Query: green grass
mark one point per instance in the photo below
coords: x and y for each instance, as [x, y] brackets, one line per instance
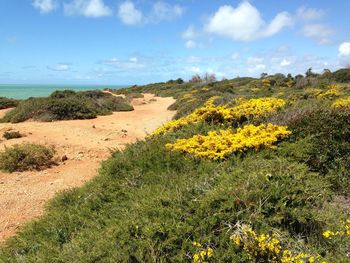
[67, 105]
[148, 204]
[23, 157]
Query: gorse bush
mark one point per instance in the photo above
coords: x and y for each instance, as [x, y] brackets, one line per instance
[220, 145]
[267, 248]
[19, 158]
[245, 110]
[67, 105]
[341, 103]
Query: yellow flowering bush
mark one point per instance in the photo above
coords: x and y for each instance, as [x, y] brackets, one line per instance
[332, 92]
[218, 145]
[342, 233]
[313, 92]
[266, 83]
[252, 108]
[267, 248]
[255, 108]
[341, 103]
[202, 255]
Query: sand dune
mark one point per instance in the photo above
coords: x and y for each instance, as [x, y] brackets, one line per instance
[85, 142]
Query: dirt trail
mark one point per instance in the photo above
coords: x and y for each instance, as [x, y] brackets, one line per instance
[85, 142]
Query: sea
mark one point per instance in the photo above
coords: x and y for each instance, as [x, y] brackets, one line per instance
[19, 91]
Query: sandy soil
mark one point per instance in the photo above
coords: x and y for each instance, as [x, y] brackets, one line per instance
[85, 142]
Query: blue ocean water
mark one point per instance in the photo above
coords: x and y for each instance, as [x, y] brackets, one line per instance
[17, 91]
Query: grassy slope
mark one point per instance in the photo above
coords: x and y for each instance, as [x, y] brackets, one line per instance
[148, 204]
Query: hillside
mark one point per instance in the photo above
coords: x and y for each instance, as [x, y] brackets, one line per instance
[249, 170]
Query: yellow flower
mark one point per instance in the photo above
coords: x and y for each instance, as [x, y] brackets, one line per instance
[218, 145]
[196, 244]
[328, 234]
[268, 247]
[210, 252]
[341, 103]
[196, 258]
[210, 113]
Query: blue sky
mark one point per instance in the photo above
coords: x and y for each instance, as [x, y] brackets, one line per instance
[141, 41]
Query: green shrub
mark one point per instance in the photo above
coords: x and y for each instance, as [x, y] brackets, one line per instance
[67, 105]
[341, 75]
[321, 140]
[7, 103]
[26, 157]
[8, 135]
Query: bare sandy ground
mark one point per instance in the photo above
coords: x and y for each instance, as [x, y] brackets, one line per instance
[85, 142]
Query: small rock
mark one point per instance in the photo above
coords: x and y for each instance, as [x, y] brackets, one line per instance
[93, 126]
[125, 131]
[64, 158]
[107, 139]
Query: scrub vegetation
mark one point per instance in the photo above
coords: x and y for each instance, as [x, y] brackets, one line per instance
[67, 105]
[233, 178]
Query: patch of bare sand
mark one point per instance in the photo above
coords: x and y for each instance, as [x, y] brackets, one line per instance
[85, 142]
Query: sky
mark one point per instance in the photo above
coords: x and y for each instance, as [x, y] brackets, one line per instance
[118, 42]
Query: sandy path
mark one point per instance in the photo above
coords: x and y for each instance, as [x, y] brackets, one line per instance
[85, 142]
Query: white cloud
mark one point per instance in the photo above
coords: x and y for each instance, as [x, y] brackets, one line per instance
[195, 70]
[285, 63]
[280, 21]
[254, 60]
[123, 64]
[189, 33]
[59, 67]
[165, 11]
[88, 8]
[128, 13]
[190, 44]
[45, 6]
[310, 13]
[244, 23]
[258, 67]
[133, 59]
[255, 64]
[344, 49]
[319, 32]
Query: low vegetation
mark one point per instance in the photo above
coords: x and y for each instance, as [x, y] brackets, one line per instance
[23, 157]
[8, 135]
[67, 105]
[234, 178]
[7, 103]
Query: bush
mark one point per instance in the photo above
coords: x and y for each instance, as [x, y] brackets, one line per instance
[321, 137]
[341, 75]
[67, 105]
[7, 103]
[8, 135]
[26, 157]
